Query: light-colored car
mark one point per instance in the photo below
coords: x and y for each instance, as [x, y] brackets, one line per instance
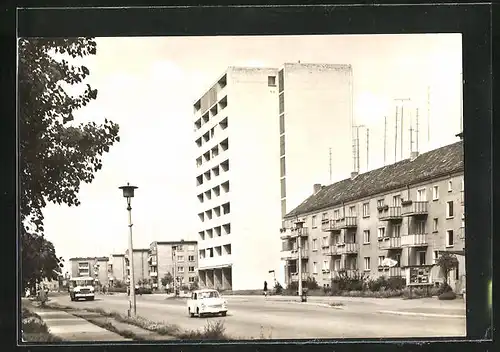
[205, 302]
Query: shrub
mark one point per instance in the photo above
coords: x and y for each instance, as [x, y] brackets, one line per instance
[377, 284]
[292, 287]
[278, 289]
[212, 331]
[346, 282]
[448, 295]
[117, 289]
[311, 283]
[444, 287]
[396, 283]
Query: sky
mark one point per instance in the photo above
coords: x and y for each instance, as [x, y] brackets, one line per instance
[148, 86]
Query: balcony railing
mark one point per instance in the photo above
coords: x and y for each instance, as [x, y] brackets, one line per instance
[415, 208]
[303, 253]
[342, 271]
[390, 243]
[414, 240]
[391, 213]
[391, 272]
[347, 222]
[334, 250]
[295, 276]
[303, 232]
[347, 248]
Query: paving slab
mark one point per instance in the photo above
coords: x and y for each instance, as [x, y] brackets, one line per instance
[71, 328]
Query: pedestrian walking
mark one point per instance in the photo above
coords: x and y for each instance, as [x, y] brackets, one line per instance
[265, 288]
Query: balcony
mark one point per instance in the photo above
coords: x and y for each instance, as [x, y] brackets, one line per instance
[414, 240]
[286, 255]
[286, 234]
[390, 243]
[296, 232]
[303, 253]
[390, 214]
[347, 248]
[348, 222]
[390, 272]
[342, 271]
[461, 233]
[153, 274]
[411, 208]
[334, 250]
[325, 249]
[295, 277]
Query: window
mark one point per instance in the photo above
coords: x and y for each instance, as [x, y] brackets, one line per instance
[315, 244]
[435, 193]
[367, 263]
[366, 236]
[381, 260]
[380, 203]
[449, 238]
[336, 214]
[191, 258]
[396, 201]
[180, 269]
[313, 221]
[421, 258]
[282, 145]
[315, 268]
[271, 81]
[326, 265]
[282, 103]
[381, 233]
[435, 257]
[325, 241]
[450, 185]
[420, 227]
[421, 195]
[282, 123]
[435, 225]
[180, 258]
[324, 216]
[449, 209]
[396, 230]
[352, 210]
[282, 167]
[366, 209]
[336, 265]
[397, 258]
[191, 247]
[191, 279]
[180, 248]
[463, 220]
[191, 269]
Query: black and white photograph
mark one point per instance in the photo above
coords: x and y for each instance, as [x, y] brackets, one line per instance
[241, 187]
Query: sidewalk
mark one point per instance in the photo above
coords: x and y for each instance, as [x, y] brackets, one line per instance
[71, 328]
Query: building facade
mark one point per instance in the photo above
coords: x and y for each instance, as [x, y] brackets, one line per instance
[240, 161]
[96, 267]
[117, 268]
[141, 272]
[177, 258]
[410, 212]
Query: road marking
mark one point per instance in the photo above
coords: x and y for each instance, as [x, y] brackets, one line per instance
[422, 314]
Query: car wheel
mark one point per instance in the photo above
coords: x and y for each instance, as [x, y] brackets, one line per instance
[198, 312]
[191, 315]
[223, 314]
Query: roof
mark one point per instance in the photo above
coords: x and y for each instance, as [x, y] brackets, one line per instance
[90, 258]
[175, 242]
[433, 164]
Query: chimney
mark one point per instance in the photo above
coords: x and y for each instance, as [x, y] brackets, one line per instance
[413, 156]
[317, 187]
[354, 174]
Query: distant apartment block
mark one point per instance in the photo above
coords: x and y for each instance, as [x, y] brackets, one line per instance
[140, 260]
[96, 267]
[411, 211]
[177, 258]
[262, 134]
[117, 268]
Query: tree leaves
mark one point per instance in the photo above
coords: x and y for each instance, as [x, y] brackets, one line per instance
[56, 157]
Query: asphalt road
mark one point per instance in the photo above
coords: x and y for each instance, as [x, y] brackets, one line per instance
[261, 318]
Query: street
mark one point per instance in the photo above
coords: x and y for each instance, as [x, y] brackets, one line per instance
[278, 318]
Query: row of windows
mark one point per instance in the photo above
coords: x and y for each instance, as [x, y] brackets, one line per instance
[216, 251]
[218, 211]
[180, 258]
[211, 113]
[212, 153]
[214, 172]
[216, 231]
[214, 192]
[209, 135]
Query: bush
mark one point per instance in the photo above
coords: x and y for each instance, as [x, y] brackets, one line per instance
[144, 290]
[444, 287]
[212, 331]
[292, 287]
[378, 284]
[448, 295]
[345, 282]
[311, 283]
[278, 289]
[117, 289]
[396, 283]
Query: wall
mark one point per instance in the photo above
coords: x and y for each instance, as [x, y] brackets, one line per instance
[119, 272]
[255, 194]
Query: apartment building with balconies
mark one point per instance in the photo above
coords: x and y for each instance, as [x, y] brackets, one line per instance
[177, 258]
[117, 268]
[96, 267]
[410, 211]
[240, 161]
[141, 272]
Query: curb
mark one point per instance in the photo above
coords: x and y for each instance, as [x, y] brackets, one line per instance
[314, 304]
[422, 314]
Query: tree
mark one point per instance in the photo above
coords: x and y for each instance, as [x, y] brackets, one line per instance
[56, 154]
[39, 260]
[447, 262]
[167, 279]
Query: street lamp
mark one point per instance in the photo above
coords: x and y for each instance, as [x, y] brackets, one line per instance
[299, 225]
[128, 192]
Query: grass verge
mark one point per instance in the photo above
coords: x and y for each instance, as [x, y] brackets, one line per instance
[211, 331]
[34, 329]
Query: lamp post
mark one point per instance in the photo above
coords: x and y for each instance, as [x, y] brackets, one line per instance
[299, 224]
[128, 192]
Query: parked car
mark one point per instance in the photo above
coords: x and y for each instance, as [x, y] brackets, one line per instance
[206, 302]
